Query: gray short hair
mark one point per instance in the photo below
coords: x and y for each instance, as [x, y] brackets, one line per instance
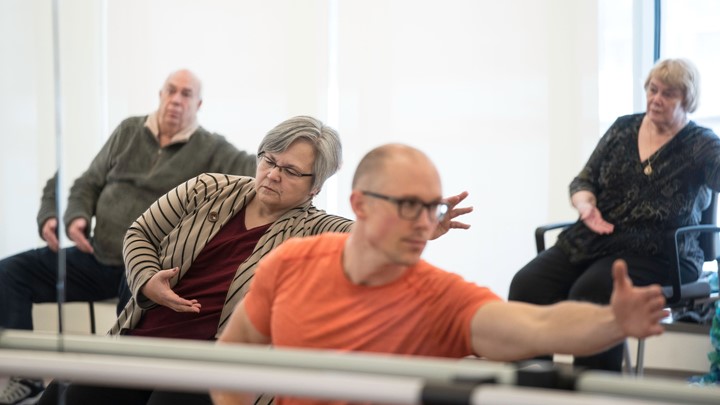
[325, 140]
[681, 74]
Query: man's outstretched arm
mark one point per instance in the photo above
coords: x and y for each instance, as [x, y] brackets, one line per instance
[510, 331]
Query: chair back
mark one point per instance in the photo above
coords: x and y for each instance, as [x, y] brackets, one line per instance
[677, 291]
[710, 241]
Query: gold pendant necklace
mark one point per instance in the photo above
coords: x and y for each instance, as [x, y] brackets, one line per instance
[648, 169]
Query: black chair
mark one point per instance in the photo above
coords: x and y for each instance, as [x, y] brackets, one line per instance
[679, 295]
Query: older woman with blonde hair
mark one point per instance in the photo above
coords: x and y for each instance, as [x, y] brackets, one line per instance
[650, 173]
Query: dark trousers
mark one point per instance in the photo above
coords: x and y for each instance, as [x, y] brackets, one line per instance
[550, 278]
[31, 277]
[76, 394]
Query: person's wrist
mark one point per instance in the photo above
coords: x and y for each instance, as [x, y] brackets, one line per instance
[583, 208]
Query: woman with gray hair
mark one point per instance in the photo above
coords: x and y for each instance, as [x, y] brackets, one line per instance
[650, 173]
[192, 225]
[191, 256]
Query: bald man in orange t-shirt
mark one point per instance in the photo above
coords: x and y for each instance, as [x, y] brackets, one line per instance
[371, 291]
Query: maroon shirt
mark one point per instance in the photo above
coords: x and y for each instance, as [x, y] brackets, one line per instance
[207, 281]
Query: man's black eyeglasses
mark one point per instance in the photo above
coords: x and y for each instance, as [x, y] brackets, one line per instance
[271, 164]
[411, 208]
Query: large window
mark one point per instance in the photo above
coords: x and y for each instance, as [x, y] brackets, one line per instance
[615, 61]
[690, 29]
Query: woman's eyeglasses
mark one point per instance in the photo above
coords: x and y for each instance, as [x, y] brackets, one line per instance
[269, 163]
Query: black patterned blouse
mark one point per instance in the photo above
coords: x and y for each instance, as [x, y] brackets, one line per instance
[645, 208]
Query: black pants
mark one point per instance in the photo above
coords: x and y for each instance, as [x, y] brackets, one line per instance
[76, 394]
[550, 278]
[31, 277]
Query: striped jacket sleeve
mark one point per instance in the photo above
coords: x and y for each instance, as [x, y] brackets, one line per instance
[142, 245]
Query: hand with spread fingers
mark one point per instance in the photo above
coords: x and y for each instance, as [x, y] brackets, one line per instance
[447, 222]
[593, 219]
[159, 291]
[637, 310]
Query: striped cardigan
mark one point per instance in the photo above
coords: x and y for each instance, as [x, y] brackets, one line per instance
[176, 228]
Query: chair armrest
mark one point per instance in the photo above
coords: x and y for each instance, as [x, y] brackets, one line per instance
[541, 230]
[676, 281]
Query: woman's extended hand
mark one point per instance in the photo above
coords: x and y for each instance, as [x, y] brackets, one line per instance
[158, 290]
[592, 217]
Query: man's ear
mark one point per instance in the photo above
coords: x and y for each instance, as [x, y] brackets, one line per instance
[358, 203]
[199, 104]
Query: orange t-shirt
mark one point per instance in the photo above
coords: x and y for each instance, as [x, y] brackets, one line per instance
[300, 297]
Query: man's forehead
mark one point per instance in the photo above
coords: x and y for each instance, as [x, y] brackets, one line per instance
[180, 80]
[411, 188]
[180, 84]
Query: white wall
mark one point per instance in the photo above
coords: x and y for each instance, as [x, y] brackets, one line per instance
[26, 118]
[29, 153]
[502, 95]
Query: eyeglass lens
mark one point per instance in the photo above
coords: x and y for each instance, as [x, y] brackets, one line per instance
[411, 209]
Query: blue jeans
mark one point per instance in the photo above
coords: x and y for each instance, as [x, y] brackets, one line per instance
[31, 277]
